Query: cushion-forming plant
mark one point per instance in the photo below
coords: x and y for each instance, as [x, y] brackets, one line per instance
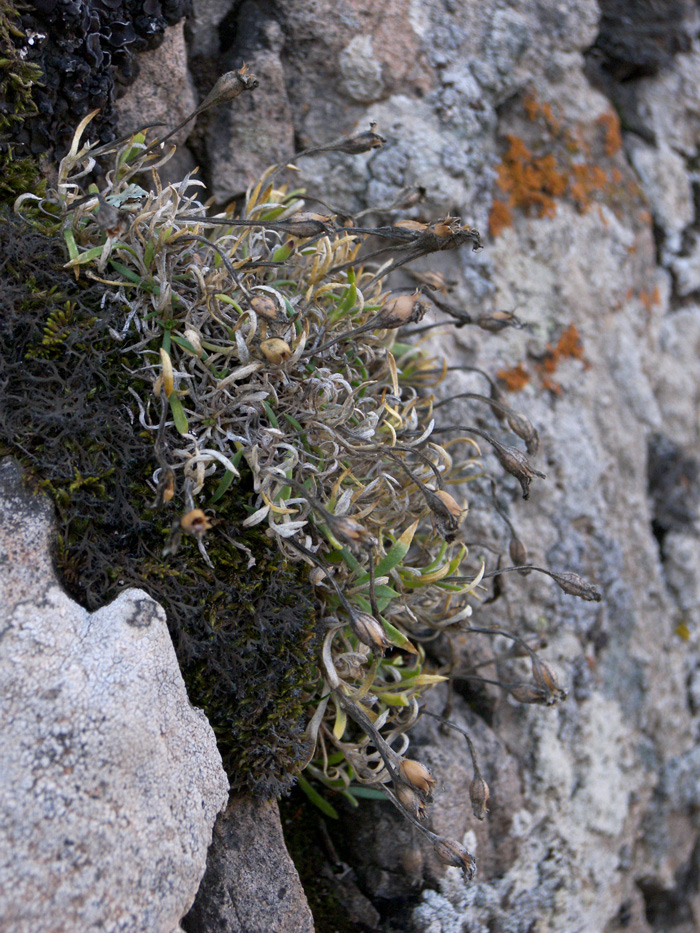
[273, 368]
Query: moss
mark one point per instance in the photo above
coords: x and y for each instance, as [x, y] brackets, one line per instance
[17, 76]
[245, 637]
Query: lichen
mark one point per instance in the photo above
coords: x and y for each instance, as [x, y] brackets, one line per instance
[576, 163]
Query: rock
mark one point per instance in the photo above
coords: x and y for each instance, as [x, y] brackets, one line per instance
[251, 885]
[667, 185]
[110, 781]
[256, 130]
[162, 93]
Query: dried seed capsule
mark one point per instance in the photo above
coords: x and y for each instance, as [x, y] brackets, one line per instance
[406, 309]
[516, 463]
[544, 676]
[195, 522]
[362, 142]
[410, 800]
[350, 532]
[530, 693]
[266, 307]
[479, 796]
[276, 350]
[575, 585]
[451, 853]
[417, 775]
[450, 503]
[168, 489]
[306, 224]
[228, 87]
[518, 554]
[520, 425]
[369, 631]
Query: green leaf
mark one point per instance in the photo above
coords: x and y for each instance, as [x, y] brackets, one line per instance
[394, 556]
[83, 258]
[71, 244]
[348, 300]
[126, 272]
[369, 793]
[186, 345]
[393, 699]
[282, 253]
[317, 799]
[179, 415]
[271, 416]
[225, 482]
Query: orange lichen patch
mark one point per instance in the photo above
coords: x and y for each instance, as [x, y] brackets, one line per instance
[532, 107]
[568, 346]
[612, 137]
[500, 217]
[531, 183]
[585, 182]
[535, 108]
[551, 386]
[515, 379]
[650, 299]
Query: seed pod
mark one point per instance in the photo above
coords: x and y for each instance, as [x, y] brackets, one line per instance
[446, 512]
[530, 693]
[451, 853]
[195, 522]
[497, 321]
[266, 307]
[306, 224]
[168, 485]
[276, 350]
[575, 585]
[228, 87]
[410, 799]
[516, 463]
[406, 309]
[450, 503]
[479, 796]
[521, 426]
[518, 554]
[362, 142]
[411, 225]
[544, 676]
[350, 532]
[369, 631]
[317, 575]
[417, 775]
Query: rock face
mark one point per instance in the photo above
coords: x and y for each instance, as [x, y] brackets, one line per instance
[509, 115]
[110, 781]
[251, 885]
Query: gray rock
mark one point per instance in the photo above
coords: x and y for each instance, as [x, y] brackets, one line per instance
[110, 781]
[255, 130]
[251, 885]
[162, 93]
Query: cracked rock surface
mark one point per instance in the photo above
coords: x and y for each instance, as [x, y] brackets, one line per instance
[110, 781]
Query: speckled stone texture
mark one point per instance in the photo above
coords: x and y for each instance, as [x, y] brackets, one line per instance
[594, 808]
[110, 781]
